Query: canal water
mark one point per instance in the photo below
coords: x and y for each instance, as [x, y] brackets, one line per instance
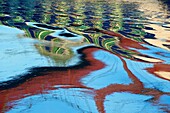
[84, 56]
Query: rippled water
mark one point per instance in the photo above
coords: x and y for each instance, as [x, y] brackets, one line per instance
[88, 56]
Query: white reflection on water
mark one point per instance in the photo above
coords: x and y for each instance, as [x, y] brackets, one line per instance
[152, 50]
[17, 55]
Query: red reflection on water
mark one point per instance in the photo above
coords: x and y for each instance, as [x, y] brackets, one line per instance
[40, 84]
[162, 69]
[71, 79]
[124, 41]
[137, 87]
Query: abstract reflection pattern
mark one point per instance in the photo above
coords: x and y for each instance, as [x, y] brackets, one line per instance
[106, 58]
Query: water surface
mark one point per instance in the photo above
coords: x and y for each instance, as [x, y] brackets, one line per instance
[89, 56]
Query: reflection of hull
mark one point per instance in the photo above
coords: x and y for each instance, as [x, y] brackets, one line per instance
[69, 78]
[37, 85]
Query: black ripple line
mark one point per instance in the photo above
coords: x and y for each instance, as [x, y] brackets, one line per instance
[40, 71]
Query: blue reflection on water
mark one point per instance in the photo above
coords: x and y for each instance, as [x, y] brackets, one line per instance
[112, 73]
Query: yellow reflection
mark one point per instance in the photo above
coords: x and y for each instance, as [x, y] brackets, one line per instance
[162, 35]
[163, 74]
[147, 59]
[57, 52]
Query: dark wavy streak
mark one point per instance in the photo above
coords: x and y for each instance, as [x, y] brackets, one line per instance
[35, 82]
[38, 71]
[125, 43]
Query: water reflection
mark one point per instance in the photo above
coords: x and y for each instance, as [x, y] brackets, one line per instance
[107, 56]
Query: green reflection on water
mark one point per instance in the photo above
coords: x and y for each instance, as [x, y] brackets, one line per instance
[77, 16]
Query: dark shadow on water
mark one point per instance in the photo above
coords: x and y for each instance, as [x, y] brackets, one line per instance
[40, 71]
